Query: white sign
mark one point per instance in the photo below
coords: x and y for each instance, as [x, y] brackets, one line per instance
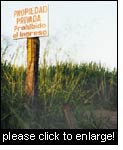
[31, 22]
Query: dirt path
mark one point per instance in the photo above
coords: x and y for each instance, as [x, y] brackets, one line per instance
[97, 118]
[110, 117]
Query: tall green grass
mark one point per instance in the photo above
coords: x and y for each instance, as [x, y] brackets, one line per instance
[86, 86]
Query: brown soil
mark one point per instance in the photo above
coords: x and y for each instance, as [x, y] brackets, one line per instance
[101, 118]
[110, 118]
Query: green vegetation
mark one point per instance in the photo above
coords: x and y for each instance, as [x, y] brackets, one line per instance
[86, 87]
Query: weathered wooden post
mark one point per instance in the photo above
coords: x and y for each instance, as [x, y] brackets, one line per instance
[31, 23]
[69, 116]
[33, 45]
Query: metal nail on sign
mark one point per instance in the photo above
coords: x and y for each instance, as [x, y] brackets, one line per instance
[31, 22]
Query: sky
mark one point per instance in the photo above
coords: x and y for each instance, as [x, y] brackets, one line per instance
[79, 31]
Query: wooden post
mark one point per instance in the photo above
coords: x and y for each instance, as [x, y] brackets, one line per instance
[33, 45]
[69, 116]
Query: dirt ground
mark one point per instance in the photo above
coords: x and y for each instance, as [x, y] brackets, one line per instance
[109, 116]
